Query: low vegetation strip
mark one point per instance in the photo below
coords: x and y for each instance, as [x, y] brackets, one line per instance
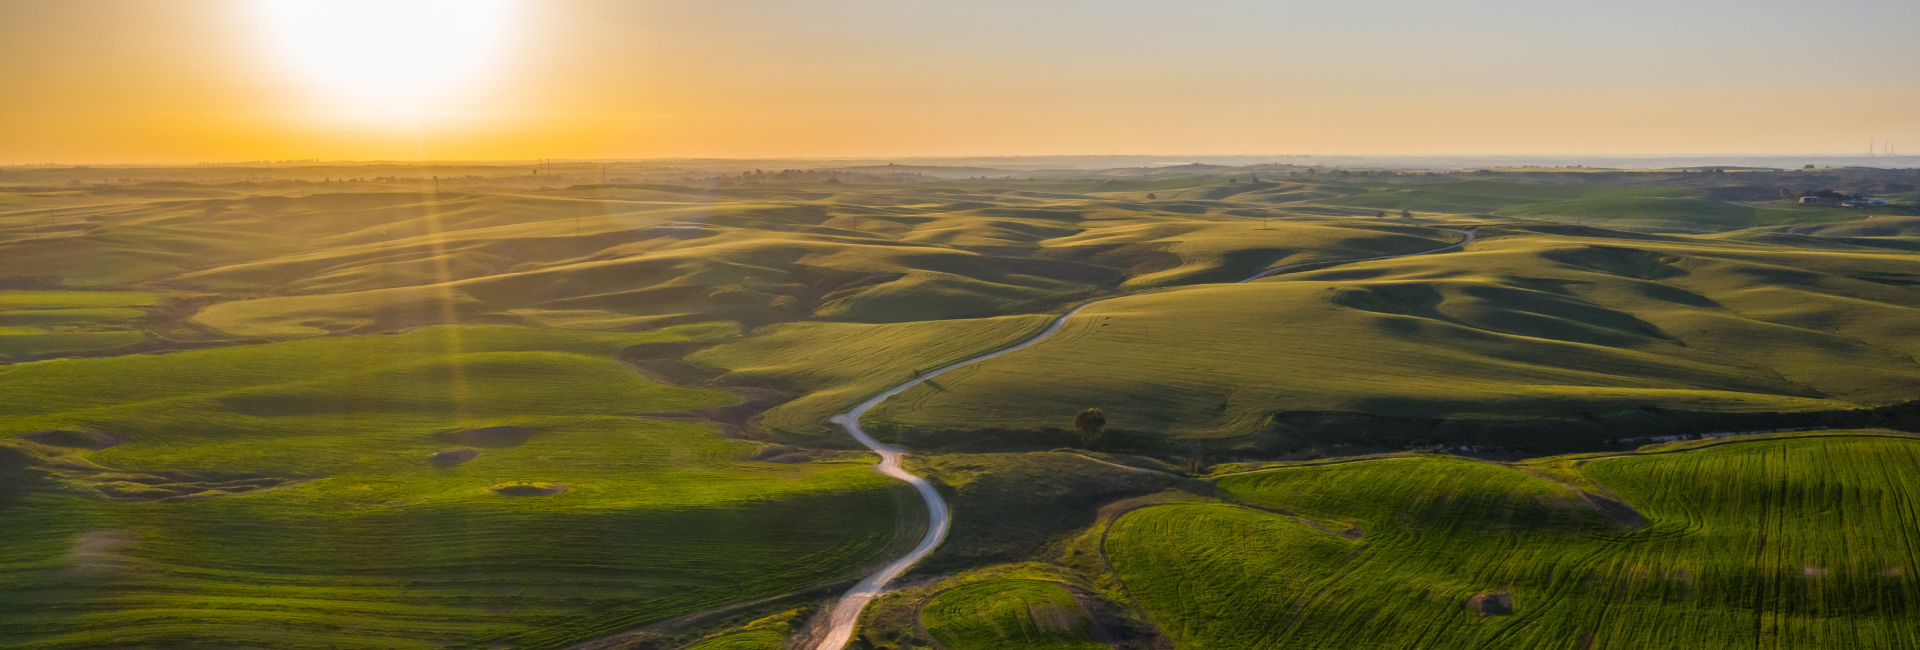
[1790, 543]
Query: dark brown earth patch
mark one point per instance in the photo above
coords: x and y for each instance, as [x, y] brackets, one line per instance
[1492, 603]
[452, 457]
[529, 489]
[493, 437]
[94, 440]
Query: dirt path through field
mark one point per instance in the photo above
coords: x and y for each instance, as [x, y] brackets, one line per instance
[845, 614]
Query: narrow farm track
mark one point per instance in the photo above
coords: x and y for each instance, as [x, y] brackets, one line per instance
[845, 614]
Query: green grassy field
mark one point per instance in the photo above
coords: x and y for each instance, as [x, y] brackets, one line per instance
[1523, 325]
[1008, 614]
[371, 416]
[286, 495]
[835, 366]
[38, 323]
[769, 633]
[1789, 543]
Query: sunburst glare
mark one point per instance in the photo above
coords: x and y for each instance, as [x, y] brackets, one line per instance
[393, 51]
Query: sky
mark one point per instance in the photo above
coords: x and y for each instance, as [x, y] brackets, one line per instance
[180, 81]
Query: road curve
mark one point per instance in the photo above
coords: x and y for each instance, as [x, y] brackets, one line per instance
[845, 614]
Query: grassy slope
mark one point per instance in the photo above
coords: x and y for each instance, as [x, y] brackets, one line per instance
[1528, 325]
[1792, 543]
[375, 546]
[1014, 507]
[1682, 208]
[40, 322]
[1007, 614]
[835, 366]
[1699, 214]
[767, 633]
[1489, 196]
[636, 258]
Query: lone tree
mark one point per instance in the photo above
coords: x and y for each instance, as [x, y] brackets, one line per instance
[1406, 214]
[1152, 197]
[1088, 424]
[1379, 214]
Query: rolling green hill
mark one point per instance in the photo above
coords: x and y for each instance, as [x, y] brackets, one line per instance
[385, 492]
[1008, 614]
[1795, 543]
[40, 323]
[364, 415]
[1574, 330]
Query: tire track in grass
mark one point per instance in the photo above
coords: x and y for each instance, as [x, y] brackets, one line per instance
[845, 614]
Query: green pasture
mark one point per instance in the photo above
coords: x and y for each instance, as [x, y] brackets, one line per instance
[834, 366]
[770, 633]
[1010, 507]
[40, 323]
[1518, 326]
[1687, 213]
[352, 482]
[1008, 615]
[1478, 196]
[286, 495]
[1788, 543]
[18, 301]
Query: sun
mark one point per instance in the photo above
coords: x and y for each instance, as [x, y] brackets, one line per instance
[388, 49]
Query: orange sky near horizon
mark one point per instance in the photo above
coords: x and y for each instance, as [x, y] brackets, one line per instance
[171, 81]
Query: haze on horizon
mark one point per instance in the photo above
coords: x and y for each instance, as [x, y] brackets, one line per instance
[170, 81]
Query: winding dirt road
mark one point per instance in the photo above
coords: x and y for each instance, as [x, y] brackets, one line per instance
[846, 612]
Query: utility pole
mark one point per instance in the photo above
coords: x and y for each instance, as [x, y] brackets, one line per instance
[603, 175]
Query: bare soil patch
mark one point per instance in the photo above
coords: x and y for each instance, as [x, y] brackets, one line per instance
[452, 457]
[529, 489]
[495, 437]
[94, 440]
[1492, 603]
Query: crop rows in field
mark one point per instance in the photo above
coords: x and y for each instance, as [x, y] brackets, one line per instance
[1774, 544]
